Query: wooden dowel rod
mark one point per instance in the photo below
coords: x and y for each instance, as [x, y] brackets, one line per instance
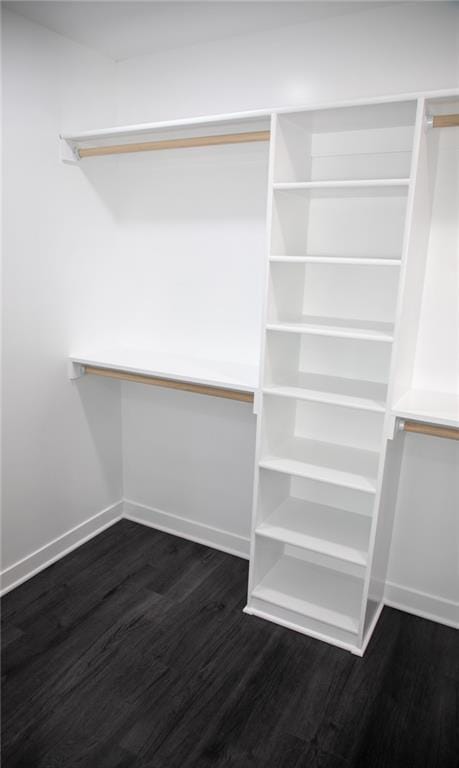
[431, 429]
[196, 141]
[445, 121]
[187, 386]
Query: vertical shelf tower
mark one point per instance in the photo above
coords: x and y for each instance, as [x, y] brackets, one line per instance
[340, 202]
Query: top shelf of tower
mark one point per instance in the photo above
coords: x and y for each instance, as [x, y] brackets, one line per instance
[367, 143]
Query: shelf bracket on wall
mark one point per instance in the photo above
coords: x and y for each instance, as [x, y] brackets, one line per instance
[75, 370]
[68, 151]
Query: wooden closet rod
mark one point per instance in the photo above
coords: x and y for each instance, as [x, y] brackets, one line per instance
[445, 121]
[434, 430]
[194, 141]
[187, 386]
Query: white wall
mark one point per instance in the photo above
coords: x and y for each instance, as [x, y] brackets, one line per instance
[61, 441]
[380, 51]
[387, 50]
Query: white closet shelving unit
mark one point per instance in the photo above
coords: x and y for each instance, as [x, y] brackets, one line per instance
[349, 205]
[342, 185]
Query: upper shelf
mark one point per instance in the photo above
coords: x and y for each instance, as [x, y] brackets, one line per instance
[193, 374]
[432, 407]
[176, 134]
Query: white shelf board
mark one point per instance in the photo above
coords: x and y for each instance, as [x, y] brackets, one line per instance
[349, 393]
[325, 462]
[432, 407]
[334, 532]
[212, 373]
[327, 326]
[380, 261]
[141, 129]
[319, 593]
[341, 184]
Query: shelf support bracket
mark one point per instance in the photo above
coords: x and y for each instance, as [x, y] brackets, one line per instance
[68, 152]
[75, 370]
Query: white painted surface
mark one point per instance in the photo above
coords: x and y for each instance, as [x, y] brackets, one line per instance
[189, 455]
[328, 60]
[213, 373]
[61, 442]
[125, 29]
[424, 556]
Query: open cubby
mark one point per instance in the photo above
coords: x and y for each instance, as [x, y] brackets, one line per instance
[373, 141]
[366, 222]
[305, 514]
[350, 296]
[330, 598]
[321, 441]
[350, 372]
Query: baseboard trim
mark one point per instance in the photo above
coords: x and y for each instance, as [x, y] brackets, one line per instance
[405, 599]
[225, 541]
[422, 604]
[24, 569]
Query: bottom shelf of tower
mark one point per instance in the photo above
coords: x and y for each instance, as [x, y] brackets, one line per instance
[309, 598]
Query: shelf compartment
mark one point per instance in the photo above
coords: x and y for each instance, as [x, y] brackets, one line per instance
[321, 594]
[333, 532]
[369, 141]
[321, 441]
[348, 221]
[346, 372]
[350, 296]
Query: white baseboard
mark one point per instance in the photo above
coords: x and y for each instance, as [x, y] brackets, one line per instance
[187, 529]
[405, 599]
[422, 604]
[40, 559]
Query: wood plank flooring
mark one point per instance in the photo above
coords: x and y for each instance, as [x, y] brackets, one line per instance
[133, 651]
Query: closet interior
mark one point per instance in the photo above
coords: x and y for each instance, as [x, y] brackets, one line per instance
[350, 191]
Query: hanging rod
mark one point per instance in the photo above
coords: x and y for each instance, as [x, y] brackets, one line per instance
[434, 430]
[187, 386]
[194, 141]
[444, 121]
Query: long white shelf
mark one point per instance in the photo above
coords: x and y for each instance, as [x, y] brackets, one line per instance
[325, 462]
[334, 532]
[427, 406]
[142, 129]
[377, 261]
[310, 590]
[346, 329]
[211, 373]
[341, 184]
[349, 393]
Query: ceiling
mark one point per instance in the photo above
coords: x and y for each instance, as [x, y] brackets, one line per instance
[121, 30]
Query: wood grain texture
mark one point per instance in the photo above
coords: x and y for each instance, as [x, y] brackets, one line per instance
[185, 143]
[133, 652]
[445, 121]
[186, 386]
[434, 430]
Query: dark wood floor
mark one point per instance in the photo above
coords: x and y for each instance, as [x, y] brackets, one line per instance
[134, 651]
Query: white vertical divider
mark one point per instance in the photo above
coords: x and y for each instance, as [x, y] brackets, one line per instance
[417, 222]
[259, 393]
